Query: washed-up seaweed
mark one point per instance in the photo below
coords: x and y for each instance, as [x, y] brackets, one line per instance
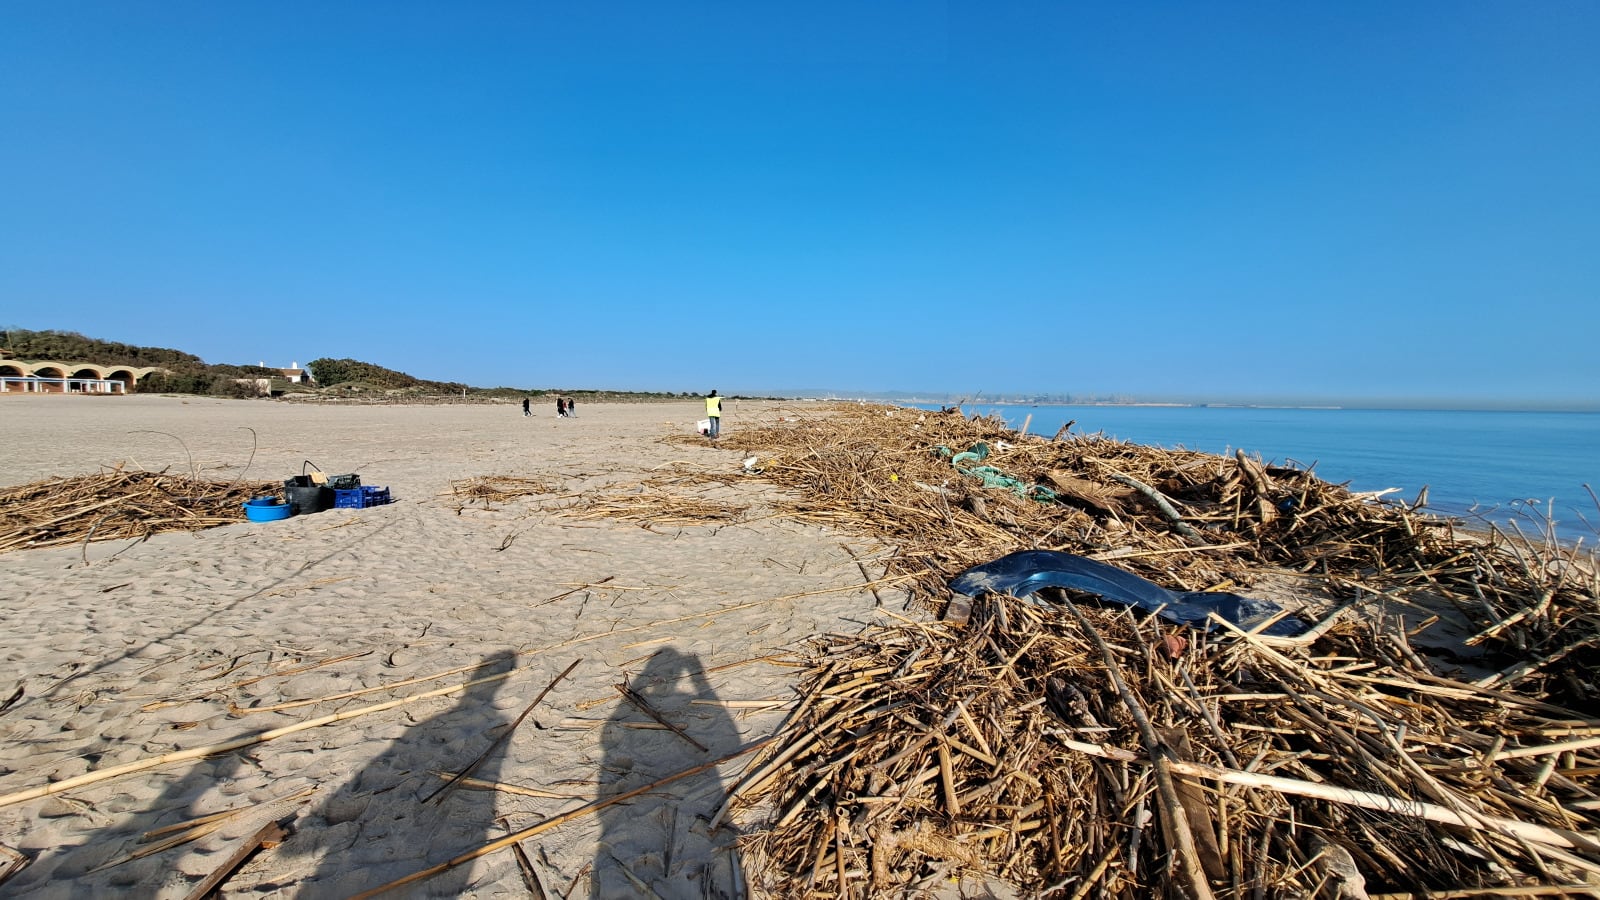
[1073, 749]
[118, 504]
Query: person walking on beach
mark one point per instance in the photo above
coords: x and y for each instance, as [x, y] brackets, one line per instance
[527, 407]
[561, 407]
[572, 408]
[714, 414]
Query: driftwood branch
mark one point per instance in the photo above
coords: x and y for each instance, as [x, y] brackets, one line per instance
[1161, 501]
[1260, 484]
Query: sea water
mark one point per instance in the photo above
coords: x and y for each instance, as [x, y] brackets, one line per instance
[1485, 464]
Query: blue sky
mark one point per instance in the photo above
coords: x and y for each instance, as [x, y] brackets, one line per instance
[1339, 201]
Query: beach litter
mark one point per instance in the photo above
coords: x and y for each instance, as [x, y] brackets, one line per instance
[266, 509]
[362, 496]
[1026, 573]
[991, 476]
[313, 491]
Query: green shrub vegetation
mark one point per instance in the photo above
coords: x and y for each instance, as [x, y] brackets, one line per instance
[332, 372]
[210, 385]
[189, 374]
[68, 346]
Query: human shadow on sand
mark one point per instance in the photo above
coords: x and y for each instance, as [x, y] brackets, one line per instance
[661, 843]
[108, 861]
[385, 822]
[376, 827]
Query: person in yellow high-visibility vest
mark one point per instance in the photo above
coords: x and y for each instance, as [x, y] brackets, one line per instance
[714, 414]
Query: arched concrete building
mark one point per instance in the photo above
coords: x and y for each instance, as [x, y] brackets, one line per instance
[51, 377]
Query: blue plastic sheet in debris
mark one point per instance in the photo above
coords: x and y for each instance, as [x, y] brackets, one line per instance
[1022, 573]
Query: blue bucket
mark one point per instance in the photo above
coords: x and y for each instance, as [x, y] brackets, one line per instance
[266, 509]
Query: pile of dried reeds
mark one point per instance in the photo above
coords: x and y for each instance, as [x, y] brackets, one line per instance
[670, 497]
[1186, 520]
[1073, 750]
[115, 504]
[653, 507]
[491, 489]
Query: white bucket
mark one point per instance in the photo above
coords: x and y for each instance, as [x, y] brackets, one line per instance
[704, 426]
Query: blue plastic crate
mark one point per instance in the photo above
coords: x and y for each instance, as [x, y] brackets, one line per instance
[361, 497]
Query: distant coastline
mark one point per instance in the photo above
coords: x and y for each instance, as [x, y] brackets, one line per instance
[915, 399]
[1161, 404]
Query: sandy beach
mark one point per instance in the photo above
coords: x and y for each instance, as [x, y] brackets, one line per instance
[430, 624]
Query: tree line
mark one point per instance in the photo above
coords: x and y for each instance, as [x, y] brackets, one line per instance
[189, 374]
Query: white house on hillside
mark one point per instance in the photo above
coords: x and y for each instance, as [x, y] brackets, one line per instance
[294, 374]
